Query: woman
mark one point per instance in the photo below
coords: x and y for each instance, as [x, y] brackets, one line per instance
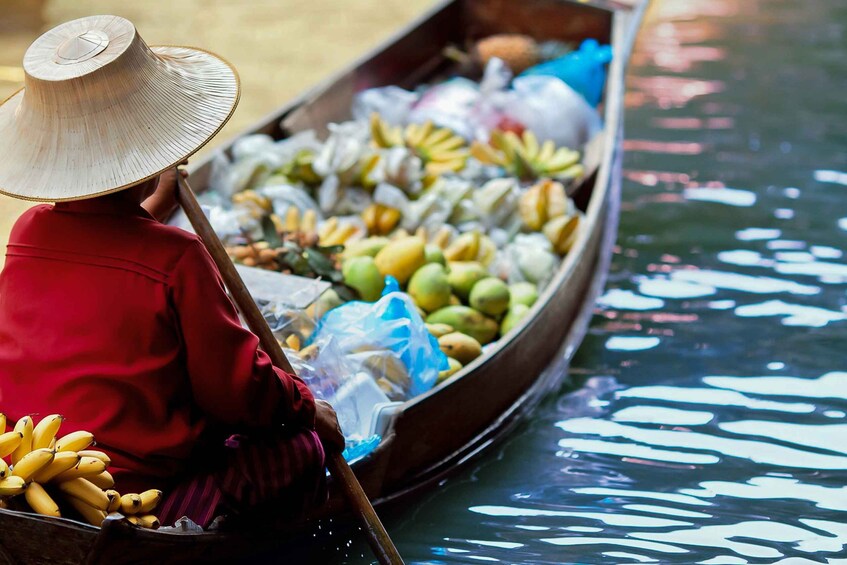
[122, 323]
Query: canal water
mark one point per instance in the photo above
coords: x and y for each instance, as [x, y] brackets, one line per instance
[710, 427]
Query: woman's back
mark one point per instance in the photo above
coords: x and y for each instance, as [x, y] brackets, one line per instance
[87, 329]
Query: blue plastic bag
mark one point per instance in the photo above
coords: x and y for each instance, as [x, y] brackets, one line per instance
[387, 339]
[584, 70]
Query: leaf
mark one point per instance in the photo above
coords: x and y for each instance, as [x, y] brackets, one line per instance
[345, 292]
[269, 232]
[321, 264]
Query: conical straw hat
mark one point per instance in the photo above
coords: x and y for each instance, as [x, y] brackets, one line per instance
[101, 111]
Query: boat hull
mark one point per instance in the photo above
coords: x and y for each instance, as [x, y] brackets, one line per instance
[448, 426]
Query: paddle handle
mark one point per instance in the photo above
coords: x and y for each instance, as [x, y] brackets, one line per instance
[377, 536]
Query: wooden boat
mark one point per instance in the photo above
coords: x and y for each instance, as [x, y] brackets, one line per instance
[444, 428]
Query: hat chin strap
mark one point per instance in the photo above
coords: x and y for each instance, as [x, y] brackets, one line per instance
[82, 47]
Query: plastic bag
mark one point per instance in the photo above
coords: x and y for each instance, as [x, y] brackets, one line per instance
[584, 70]
[391, 102]
[529, 258]
[553, 110]
[388, 340]
[543, 104]
[448, 105]
[331, 376]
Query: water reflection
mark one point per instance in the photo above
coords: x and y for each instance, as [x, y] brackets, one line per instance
[711, 427]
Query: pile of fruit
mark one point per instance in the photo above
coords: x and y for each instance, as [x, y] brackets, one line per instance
[63, 476]
[472, 230]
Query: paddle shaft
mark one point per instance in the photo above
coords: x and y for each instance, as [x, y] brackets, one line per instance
[377, 536]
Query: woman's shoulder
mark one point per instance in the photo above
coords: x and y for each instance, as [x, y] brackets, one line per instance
[25, 220]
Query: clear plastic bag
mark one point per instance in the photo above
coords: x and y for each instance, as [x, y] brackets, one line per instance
[391, 102]
[388, 340]
[333, 377]
[552, 110]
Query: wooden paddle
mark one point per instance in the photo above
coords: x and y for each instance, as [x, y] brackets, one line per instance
[378, 538]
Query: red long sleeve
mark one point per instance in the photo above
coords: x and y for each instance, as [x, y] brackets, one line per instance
[122, 325]
[231, 379]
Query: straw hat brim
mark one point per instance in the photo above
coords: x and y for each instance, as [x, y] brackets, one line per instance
[189, 97]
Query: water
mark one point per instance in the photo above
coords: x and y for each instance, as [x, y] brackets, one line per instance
[711, 427]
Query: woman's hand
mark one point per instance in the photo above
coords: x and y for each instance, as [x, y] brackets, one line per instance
[162, 202]
[326, 425]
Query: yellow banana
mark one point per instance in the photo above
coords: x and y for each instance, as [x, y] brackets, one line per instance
[45, 431]
[388, 219]
[557, 199]
[87, 467]
[24, 427]
[114, 500]
[98, 454]
[487, 251]
[40, 501]
[415, 133]
[292, 219]
[436, 137]
[130, 504]
[279, 225]
[10, 486]
[561, 159]
[442, 237]
[436, 168]
[149, 500]
[2, 423]
[75, 441]
[9, 442]
[85, 491]
[562, 232]
[309, 221]
[486, 154]
[533, 207]
[327, 227]
[450, 144]
[31, 463]
[369, 216]
[530, 145]
[62, 461]
[464, 248]
[293, 342]
[384, 135]
[149, 521]
[340, 235]
[91, 515]
[4, 469]
[548, 148]
[104, 480]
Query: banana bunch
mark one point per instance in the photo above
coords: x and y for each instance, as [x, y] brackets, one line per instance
[295, 221]
[300, 168]
[333, 232]
[471, 246]
[44, 466]
[440, 149]
[542, 202]
[562, 232]
[525, 158]
[380, 219]
[441, 238]
[257, 205]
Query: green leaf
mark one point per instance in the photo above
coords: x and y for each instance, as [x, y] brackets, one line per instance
[269, 233]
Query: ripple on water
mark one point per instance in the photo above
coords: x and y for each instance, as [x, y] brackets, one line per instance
[756, 451]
